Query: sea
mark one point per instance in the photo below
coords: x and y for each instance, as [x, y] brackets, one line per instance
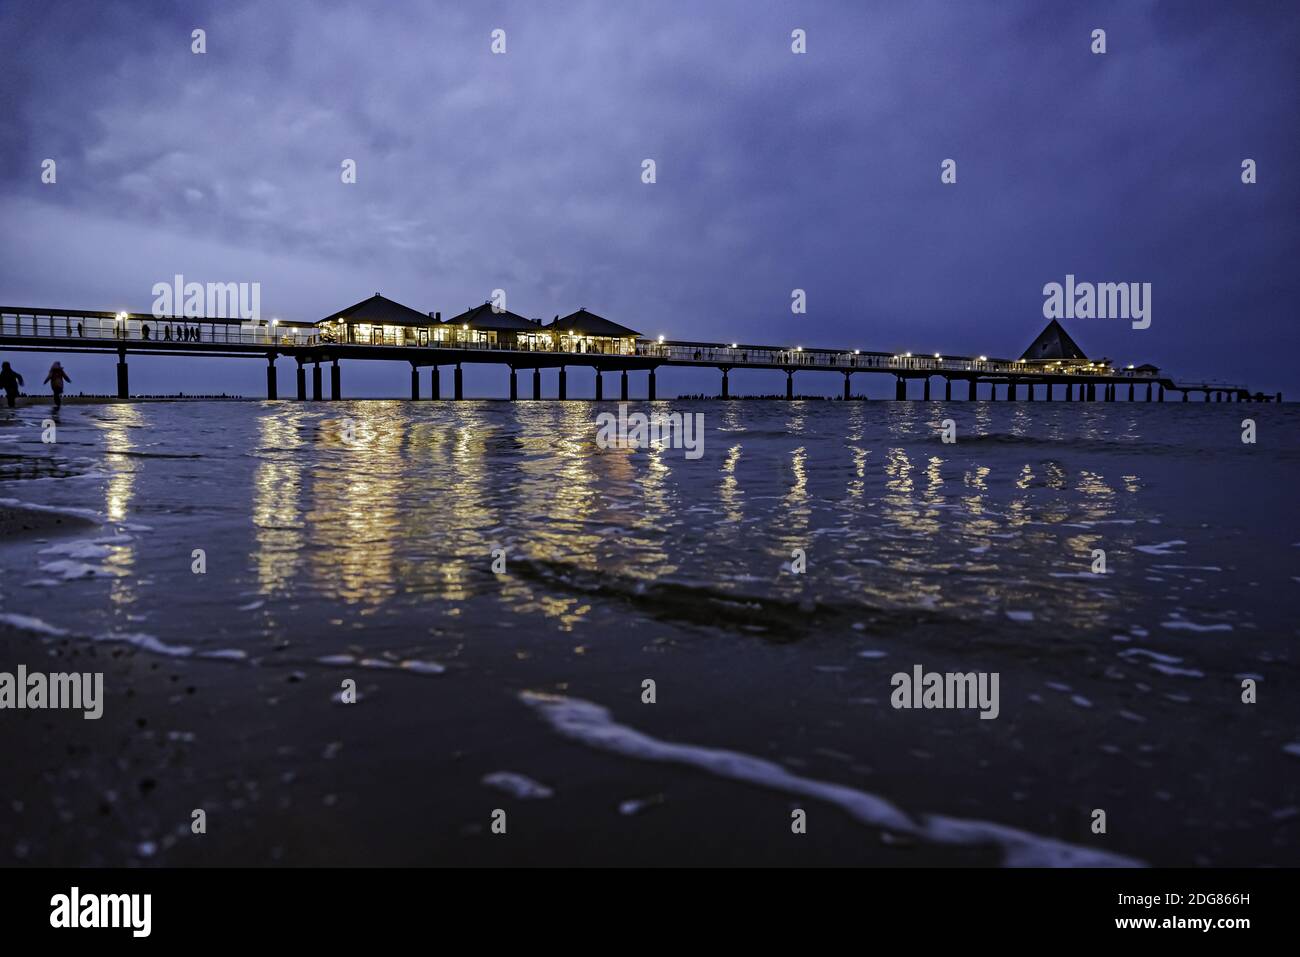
[666, 659]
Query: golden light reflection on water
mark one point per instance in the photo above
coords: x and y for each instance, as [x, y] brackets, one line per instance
[731, 493]
[277, 498]
[354, 517]
[119, 492]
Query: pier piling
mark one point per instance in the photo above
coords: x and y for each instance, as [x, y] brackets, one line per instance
[271, 392]
[726, 392]
[514, 385]
[652, 385]
[848, 390]
[435, 383]
[415, 382]
[315, 382]
[123, 382]
[564, 383]
[459, 379]
[537, 383]
[900, 389]
[600, 386]
[789, 384]
[336, 381]
[302, 381]
[622, 386]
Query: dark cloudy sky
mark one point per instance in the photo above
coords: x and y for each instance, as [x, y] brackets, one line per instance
[775, 171]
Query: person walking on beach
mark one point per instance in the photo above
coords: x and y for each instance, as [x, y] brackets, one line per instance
[56, 378]
[9, 382]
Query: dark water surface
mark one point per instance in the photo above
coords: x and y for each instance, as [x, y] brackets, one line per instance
[327, 558]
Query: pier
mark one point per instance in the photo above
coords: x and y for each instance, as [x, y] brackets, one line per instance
[1052, 369]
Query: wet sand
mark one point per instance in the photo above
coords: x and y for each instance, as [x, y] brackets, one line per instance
[16, 522]
[287, 776]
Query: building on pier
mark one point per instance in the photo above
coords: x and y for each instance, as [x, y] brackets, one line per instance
[584, 331]
[1054, 350]
[489, 328]
[378, 321]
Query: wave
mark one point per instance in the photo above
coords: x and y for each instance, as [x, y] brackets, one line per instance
[592, 725]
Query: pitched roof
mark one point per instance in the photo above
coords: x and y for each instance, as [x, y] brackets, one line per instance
[381, 311]
[1053, 343]
[591, 324]
[482, 317]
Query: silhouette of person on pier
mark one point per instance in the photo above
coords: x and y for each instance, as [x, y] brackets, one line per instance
[9, 382]
[56, 379]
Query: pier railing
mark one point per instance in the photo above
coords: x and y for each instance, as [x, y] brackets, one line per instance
[135, 327]
[854, 360]
[130, 327]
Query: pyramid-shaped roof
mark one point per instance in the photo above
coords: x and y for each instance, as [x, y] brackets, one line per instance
[381, 311]
[1053, 343]
[483, 317]
[588, 323]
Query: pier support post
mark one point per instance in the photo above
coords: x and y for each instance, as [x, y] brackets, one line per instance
[1207, 396]
[460, 383]
[537, 382]
[1131, 387]
[302, 382]
[900, 389]
[415, 382]
[1148, 391]
[1185, 396]
[600, 386]
[514, 385]
[123, 382]
[622, 386]
[1162, 393]
[652, 385]
[336, 382]
[970, 390]
[947, 389]
[1050, 383]
[1029, 390]
[315, 381]
[925, 393]
[726, 391]
[1069, 392]
[435, 383]
[564, 383]
[789, 384]
[1091, 395]
[848, 389]
[271, 392]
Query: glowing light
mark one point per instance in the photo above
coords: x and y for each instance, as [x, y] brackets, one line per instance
[661, 338]
[907, 355]
[936, 355]
[984, 358]
[733, 345]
